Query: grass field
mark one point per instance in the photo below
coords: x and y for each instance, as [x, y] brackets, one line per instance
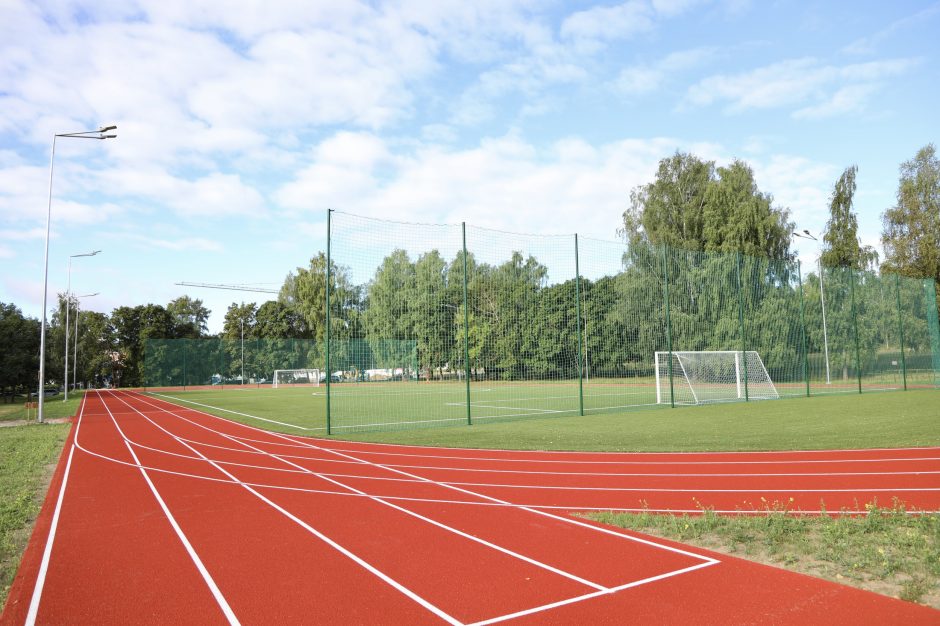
[887, 551]
[27, 455]
[835, 421]
[53, 407]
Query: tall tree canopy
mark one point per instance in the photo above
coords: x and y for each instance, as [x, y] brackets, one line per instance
[693, 205]
[911, 234]
[190, 317]
[19, 356]
[738, 217]
[670, 210]
[276, 320]
[305, 291]
[842, 247]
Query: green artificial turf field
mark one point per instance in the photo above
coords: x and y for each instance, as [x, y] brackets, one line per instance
[821, 422]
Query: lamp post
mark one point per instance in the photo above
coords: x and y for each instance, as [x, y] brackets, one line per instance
[75, 361]
[822, 299]
[101, 133]
[68, 303]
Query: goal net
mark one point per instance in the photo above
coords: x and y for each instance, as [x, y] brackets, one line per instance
[296, 377]
[712, 376]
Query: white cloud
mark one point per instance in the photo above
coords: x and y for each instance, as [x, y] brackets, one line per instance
[846, 100]
[800, 184]
[646, 78]
[671, 8]
[868, 44]
[597, 25]
[817, 89]
[22, 235]
[183, 244]
[504, 182]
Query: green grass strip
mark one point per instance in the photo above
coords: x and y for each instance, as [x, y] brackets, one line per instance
[27, 460]
[53, 408]
[888, 551]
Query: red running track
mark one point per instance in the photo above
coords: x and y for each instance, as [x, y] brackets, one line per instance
[161, 514]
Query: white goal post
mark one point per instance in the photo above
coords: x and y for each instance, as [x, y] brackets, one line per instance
[702, 376]
[309, 377]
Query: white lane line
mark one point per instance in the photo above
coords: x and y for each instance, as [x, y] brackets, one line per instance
[496, 500]
[591, 462]
[303, 470]
[358, 560]
[543, 513]
[448, 468]
[382, 501]
[622, 461]
[255, 417]
[206, 576]
[570, 507]
[535, 505]
[50, 539]
[706, 561]
[587, 596]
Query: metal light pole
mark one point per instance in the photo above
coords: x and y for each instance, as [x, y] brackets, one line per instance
[822, 300]
[242, 320]
[101, 133]
[68, 305]
[75, 361]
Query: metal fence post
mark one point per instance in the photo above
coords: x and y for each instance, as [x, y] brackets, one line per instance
[897, 292]
[672, 395]
[747, 397]
[466, 323]
[577, 297]
[799, 275]
[329, 373]
[858, 358]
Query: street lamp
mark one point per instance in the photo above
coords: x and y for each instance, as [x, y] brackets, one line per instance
[101, 133]
[75, 362]
[822, 299]
[68, 303]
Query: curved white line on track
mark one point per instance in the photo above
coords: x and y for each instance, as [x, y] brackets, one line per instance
[706, 561]
[327, 540]
[573, 452]
[382, 501]
[197, 561]
[298, 457]
[313, 445]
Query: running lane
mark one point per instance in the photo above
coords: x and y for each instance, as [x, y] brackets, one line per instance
[172, 515]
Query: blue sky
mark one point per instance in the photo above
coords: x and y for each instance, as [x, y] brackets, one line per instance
[240, 123]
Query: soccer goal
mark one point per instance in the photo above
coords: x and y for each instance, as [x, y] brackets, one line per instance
[296, 377]
[712, 376]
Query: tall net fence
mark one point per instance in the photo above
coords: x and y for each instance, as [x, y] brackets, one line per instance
[449, 324]
[217, 362]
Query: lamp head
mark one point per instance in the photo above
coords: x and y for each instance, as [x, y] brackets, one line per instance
[105, 129]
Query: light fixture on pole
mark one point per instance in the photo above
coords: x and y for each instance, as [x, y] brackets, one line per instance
[101, 133]
[822, 300]
[68, 305]
[75, 361]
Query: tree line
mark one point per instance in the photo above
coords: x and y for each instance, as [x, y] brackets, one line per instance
[521, 324]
